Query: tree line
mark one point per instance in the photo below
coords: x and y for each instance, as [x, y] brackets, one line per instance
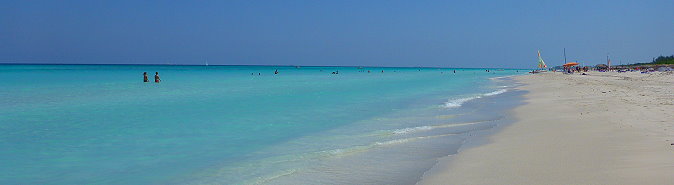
[664, 60]
[657, 60]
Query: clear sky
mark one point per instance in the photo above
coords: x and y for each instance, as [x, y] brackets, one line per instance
[360, 32]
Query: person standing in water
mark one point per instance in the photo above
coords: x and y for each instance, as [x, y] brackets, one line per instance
[276, 72]
[145, 77]
[156, 77]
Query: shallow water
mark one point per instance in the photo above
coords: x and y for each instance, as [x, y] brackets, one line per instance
[83, 124]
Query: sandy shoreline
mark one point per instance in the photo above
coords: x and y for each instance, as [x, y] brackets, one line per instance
[604, 128]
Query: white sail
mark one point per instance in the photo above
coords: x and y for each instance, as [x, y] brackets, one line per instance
[541, 63]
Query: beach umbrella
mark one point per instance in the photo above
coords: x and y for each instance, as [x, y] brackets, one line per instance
[570, 64]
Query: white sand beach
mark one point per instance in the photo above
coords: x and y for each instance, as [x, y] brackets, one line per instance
[601, 128]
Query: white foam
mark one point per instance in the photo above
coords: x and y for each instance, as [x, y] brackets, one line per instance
[501, 77]
[413, 129]
[405, 140]
[458, 102]
[336, 151]
[496, 92]
[397, 141]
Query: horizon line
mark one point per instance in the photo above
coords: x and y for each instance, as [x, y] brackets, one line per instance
[261, 65]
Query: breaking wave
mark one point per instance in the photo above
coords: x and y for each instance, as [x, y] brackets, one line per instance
[458, 102]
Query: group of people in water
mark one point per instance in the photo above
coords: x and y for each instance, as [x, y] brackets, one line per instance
[156, 77]
[275, 72]
[368, 71]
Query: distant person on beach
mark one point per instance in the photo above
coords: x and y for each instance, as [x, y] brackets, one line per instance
[145, 77]
[156, 77]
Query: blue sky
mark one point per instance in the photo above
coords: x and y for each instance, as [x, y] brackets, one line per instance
[371, 33]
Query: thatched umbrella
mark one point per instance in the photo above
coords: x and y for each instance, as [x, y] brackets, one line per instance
[601, 66]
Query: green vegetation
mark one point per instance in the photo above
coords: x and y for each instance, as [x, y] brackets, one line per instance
[659, 60]
[664, 60]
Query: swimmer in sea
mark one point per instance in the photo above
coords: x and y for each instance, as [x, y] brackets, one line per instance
[156, 77]
[276, 72]
[145, 77]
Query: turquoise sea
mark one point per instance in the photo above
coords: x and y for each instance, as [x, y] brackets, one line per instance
[100, 124]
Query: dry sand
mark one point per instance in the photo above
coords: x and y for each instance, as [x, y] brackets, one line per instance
[602, 128]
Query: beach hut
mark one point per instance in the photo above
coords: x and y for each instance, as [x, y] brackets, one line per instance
[601, 67]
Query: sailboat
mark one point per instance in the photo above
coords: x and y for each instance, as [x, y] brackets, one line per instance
[541, 64]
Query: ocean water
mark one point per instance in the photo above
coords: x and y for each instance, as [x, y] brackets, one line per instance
[100, 124]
